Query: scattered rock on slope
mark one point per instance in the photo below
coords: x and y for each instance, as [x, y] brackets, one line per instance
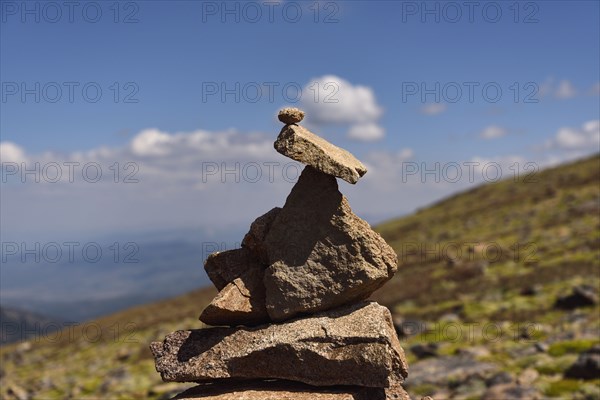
[582, 296]
[587, 365]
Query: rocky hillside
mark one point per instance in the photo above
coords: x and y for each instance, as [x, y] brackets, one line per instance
[500, 285]
[496, 297]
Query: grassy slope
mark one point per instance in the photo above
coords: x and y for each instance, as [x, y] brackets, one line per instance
[108, 358]
[528, 232]
[511, 235]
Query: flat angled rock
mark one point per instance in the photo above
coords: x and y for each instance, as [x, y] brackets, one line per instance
[241, 302]
[321, 255]
[300, 144]
[354, 345]
[287, 390]
[223, 267]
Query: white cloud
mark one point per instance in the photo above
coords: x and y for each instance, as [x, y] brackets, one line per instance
[592, 127]
[433, 108]
[158, 181]
[492, 132]
[185, 180]
[10, 152]
[331, 100]
[202, 179]
[568, 138]
[585, 138]
[366, 132]
[565, 90]
[150, 142]
[334, 100]
[595, 89]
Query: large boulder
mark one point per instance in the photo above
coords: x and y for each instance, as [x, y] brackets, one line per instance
[354, 345]
[320, 254]
[300, 144]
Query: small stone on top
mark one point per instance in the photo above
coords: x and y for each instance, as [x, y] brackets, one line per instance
[290, 115]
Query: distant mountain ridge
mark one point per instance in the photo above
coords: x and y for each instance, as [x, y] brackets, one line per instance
[17, 325]
[80, 289]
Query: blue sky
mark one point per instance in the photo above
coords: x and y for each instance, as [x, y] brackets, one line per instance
[376, 50]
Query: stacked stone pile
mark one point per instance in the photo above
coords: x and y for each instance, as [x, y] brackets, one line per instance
[291, 316]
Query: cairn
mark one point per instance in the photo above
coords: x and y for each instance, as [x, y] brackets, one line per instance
[291, 317]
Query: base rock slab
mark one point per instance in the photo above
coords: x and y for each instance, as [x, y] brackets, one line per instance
[354, 345]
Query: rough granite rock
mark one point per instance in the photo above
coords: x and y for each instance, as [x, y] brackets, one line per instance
[287, 390]
[290, 115]
[587, 365]
[354, 345]
[582, 296]
[321, 255]
[241, 302]
[223, 267]
[254, 239]
[304, 146]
